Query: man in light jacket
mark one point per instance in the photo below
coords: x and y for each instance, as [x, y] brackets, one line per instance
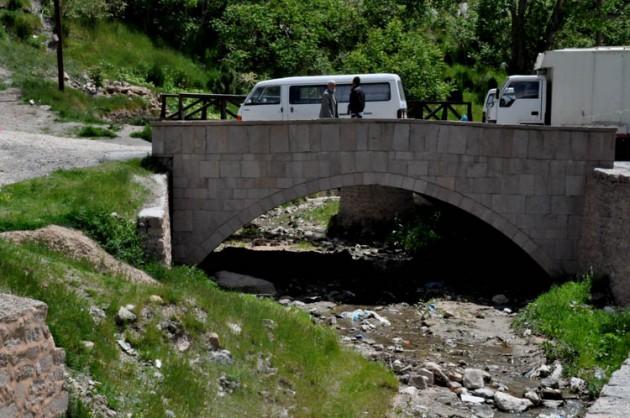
[329, 102]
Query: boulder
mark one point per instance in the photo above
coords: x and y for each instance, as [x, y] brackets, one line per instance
[509, 403]
[244, 283]
[473, 378]
[439, 376]
[125, 315]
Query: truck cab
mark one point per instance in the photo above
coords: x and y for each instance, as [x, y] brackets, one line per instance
[521, 100]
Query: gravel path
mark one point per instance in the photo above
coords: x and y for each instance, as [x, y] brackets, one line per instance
[34, 144]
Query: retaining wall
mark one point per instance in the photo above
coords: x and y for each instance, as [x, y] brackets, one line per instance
[31, 368]
[605, 242]
[154, 223]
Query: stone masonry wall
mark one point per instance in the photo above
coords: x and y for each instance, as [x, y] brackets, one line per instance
[154, 224]
[366, 211]
[31, 368]
[605, 243]
[525, 181]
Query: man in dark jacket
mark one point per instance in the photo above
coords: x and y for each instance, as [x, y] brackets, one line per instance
[357, 99]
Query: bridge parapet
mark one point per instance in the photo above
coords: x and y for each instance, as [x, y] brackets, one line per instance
[527, 182]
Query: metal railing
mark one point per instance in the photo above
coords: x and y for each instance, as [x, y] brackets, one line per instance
[422, 109]
[196, 106]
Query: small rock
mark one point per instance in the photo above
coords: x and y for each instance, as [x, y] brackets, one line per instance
[183, 343]
[428, 374]
[156, 299]
[577, 385]
[418, 381]
[270, 324]
[221, 357]
[397, 366]
[31, 102]
[552, 404]
[214, 341]
[126, 347]
[550, 393]
[532, 396]
[158, 363]
[438, 375]
[471, 399]
[87, 345]
[509, 403]
[234, 328]
[169, 413]
[125, 315]
[455, 377]
[486, 393]
[483, 411]
[473, 378]
[408, 390]
[500, 299]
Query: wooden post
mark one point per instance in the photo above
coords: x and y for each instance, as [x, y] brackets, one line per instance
[59, 32]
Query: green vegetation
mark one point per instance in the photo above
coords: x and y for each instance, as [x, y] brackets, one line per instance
[74, 104]
[146, 133]
[322, 214]
[60, 197]
[326, 379]
[583, 337]
[126, 54]
[96, 132]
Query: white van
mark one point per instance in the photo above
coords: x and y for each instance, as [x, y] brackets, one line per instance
[299, 98]
[490, 107]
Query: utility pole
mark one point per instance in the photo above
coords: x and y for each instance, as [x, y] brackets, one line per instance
[59, 33]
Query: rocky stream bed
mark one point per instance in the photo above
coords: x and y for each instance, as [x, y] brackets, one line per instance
[454, 350]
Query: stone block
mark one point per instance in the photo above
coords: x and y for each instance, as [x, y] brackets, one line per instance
[536, 146]
[299, 138]
[575, 185]
[401, 137]
[209, 169]
[252, 169]
[330, 137]
[520, 143]
[259, 139]
[378, 161]
[538, 204]
[279, 139]
[216, 139]
[230, 168]
[348, 162]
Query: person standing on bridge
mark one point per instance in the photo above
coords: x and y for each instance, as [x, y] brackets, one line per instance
[329, 102]
[357, 99]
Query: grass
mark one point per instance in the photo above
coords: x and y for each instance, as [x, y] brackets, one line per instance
[583, 337]
[146, 133]
[96, 132]
[64, 195]
[322, 214]
[76, 105]
[315, 377]
[126, 54]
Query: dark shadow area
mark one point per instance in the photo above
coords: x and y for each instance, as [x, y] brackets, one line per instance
[448, 253]
[622, 148]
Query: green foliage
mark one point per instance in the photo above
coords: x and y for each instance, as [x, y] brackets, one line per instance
[22, 5]
[115, 233]
[146, 133]
[74, 104]
[407, 53]
[418, 232]
[96, 132]
[23, 25]
[583, 337]
[129, 55]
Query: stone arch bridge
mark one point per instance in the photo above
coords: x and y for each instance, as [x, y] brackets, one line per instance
[527, 182]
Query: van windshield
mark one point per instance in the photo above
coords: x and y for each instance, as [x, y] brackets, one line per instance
[312, 94]
[267, 95]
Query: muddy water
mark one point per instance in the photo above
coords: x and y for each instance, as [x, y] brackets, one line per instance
[418, 317]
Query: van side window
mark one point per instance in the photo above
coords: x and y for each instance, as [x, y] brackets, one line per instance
[306, 94]
[269, 95]
[525, 89]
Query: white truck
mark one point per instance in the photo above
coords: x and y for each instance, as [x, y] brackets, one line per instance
[572, 87]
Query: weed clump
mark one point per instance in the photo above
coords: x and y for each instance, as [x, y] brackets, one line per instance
[96, 132]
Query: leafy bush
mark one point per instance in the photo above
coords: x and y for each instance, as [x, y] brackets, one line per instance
[584, 338]
[23, 25]
[115, 233]
[96, 132]
[146, 133]
[418, 232]
[156, 75]
[18, 5]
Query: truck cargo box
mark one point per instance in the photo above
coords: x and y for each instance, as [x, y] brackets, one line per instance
[589, 87]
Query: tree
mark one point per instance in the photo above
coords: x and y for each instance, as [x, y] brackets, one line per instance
[410, 54]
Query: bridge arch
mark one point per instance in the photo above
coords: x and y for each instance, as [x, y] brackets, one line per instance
[420, 186]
